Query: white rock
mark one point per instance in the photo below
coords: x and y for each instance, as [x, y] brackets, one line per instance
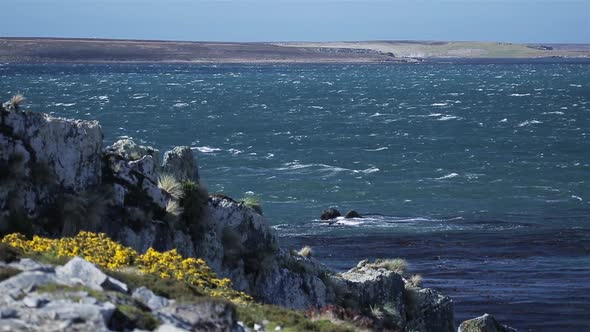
[78, 270]
[151, 300]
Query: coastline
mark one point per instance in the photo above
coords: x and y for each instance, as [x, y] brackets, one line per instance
[66, 50]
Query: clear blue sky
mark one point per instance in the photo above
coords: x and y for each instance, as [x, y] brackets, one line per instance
[566, 21]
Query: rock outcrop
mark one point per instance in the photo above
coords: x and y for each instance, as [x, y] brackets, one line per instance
[40, 152]
[233, 238]
[329, 214]
[180, 163]
[485, 323]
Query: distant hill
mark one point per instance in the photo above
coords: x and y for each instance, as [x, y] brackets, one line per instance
[110, 50]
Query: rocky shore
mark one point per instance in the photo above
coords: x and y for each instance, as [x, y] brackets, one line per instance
[57, 179]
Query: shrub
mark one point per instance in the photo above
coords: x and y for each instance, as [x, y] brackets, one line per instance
[253, 203]
[129, 317]
[13, 169]
[306, 251]
[169, 184]
[396, 265]
[82, 212]
[9, 254]
[193, 201]
[232, 247]
[16, 221]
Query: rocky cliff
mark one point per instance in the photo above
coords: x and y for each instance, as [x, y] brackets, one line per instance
[57, 179]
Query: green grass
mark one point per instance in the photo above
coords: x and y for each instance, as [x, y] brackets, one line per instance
[47, 258]
[9, 254]
[8, 272]
[57, 288]
[396, 265]
[169, 288]
[129, 317]
[252, 202]
[289, 320]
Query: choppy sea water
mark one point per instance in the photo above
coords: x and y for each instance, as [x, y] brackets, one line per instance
[478, 174]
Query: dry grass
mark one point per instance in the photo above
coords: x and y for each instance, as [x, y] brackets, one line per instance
[169, 184]
[415, 280]
[17, 100]
[173, 208]
[396, 265]
[306, 251]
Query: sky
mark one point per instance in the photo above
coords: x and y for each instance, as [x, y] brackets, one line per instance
[518, 21]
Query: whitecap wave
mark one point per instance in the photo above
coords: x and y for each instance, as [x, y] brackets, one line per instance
[448, 176]
[206, 149]
[528, 123]
[519, 94]
[378, 149]
[447, 117]
[439, 104]
[180, 105]
[370, 170]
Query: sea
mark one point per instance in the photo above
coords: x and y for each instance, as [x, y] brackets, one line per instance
[477, 173]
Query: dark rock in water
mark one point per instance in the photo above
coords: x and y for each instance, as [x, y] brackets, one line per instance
[352, 214]
[485, 323]
[330, 213]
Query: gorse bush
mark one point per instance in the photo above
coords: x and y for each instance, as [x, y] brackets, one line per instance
[99, 249]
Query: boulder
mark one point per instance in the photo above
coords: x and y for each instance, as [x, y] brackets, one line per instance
[429, 311]
[207, 315]
[329, 214]
[485, 323]
[25, 282]
[151, 300]
[131, 151]
[364, 286]
[180, 163]
[352, 214]
[78, 270]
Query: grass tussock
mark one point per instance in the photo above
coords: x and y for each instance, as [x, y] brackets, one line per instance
[252, 202]
[173, 208]
[17, 100]
[396, 265]
[169, 184]
[306, 252]
[415, 280]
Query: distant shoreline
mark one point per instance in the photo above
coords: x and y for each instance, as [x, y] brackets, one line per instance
[74, 50]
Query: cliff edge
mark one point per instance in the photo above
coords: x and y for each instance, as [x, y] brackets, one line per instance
[57, 179]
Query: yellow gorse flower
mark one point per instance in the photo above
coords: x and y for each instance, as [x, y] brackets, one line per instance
[101, 250]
